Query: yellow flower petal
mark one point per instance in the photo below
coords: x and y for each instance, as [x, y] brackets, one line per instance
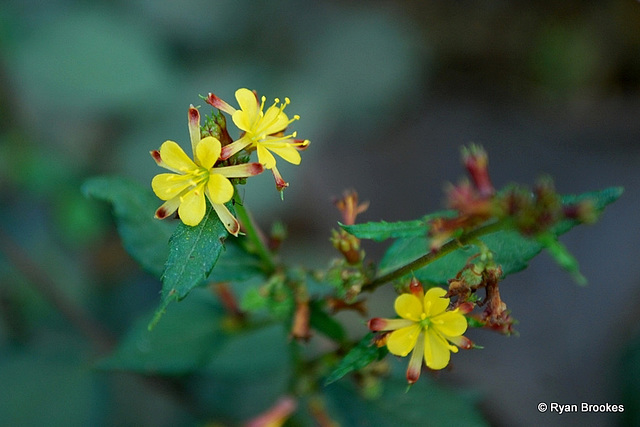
[265, 157]
[380, 324]
[228, 220]
[174, 157]
[240, 171]
[249, 112]
[415, 363]
[208, 151]
[402, 341]
[218, 103]
[450, 323]
[436, 350]
[194, 129]
[247, 101]
[168, 208]
[220, 189]
[434, 304]
[237, 145]
[409, 307]
[169, 185]
[285, 150]
[192, 208]
[242, 120]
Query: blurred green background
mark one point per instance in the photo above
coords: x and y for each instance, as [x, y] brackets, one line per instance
[388, 91]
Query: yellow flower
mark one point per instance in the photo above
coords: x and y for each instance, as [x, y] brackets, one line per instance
[263, 130]
[192, 180]
[425, 327]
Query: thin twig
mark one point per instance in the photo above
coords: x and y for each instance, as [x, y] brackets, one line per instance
[429, 257]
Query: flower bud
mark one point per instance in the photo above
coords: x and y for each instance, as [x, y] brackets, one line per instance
[349, 207]
[416, 288]
[476, 161]
[348, 245]
[584, 212]
[301, 329]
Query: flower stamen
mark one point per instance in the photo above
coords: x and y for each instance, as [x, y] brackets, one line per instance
[263, 131]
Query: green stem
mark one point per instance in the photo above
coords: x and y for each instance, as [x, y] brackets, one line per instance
[254, 235]
[429, 257]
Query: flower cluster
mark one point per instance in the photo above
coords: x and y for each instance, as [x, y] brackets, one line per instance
[207, 175]
[426, 327]
[263, 131]
[532, 211]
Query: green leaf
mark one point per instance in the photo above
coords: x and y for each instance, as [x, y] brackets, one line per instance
[235, 264]
[561, 255]
[511, 250]
[143, 237]
[322, 322]
[193, 253]
[600, 200]
[386, 230]
[187, 339]
[364, 353]
[383, 230]
[425, 403]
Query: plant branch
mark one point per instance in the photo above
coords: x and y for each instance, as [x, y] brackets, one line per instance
[254, 235]
[429, 257]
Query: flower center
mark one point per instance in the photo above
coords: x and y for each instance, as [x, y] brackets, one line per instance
[424, 322]
[198, 176]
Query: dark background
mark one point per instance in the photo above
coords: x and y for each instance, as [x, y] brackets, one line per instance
[388, 92]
